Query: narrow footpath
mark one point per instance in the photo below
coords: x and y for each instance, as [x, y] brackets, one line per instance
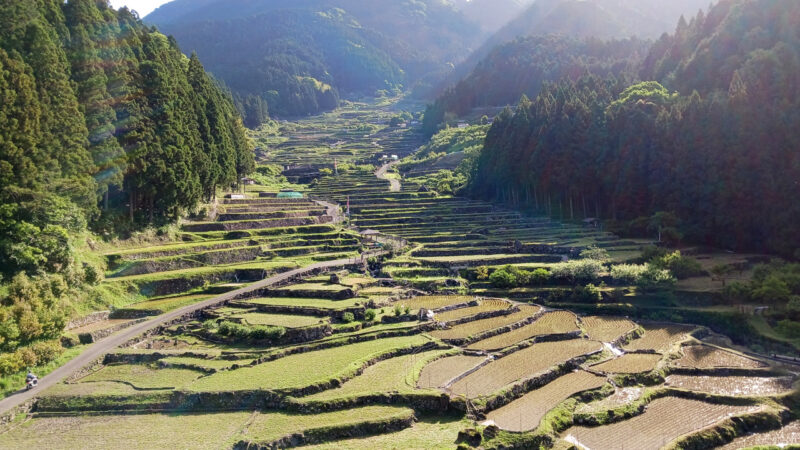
[97, 350]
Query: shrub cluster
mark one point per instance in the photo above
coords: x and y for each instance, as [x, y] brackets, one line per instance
[39, 353]
[254, 333]
[511, 277]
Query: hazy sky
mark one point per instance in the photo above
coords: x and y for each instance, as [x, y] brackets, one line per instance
[143, 7]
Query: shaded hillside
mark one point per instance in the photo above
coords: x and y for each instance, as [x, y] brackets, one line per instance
[601, 19]
[524, 65]
[722, 161]
[299, 56]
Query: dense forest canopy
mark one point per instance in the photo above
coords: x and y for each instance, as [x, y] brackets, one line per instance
[709, 140]
[302, 55]
[103, 123]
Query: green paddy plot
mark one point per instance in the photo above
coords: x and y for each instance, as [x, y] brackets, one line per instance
[306, 369]
[392, 375]
[205, 363]
[278, 320]
[170, 303]
[306, 302]
[143, 377]
[136, 431]
[429, 432]
[267, 427]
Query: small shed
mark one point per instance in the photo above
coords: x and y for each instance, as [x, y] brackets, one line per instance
[247, 181]
[289, 194]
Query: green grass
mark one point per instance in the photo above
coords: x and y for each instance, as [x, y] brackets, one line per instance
[170, 303]
[279, 320]
[305, 369]
[143, 376]
[306, 302]
[430, 432]
[270, 426]
[216, 364]
[392, 375]
[139, 431]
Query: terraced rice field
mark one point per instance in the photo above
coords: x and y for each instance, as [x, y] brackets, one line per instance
[629, 363]
[620, 397]
[732, 385]
[707, 357]
[164, 431]
[782, 438]
[557, 322]
[270, 426]
[477, 327]
[520, 365]
[320, 365]
[663, 421]
[659, 338]
[434, 302]
[606, 329]
[321, 368]
[143, 376]
[485, 306]
[392, 375]
[439, 372]
[526, 412]
[277, 320]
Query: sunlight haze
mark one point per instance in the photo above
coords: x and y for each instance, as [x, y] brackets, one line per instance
[143, 7]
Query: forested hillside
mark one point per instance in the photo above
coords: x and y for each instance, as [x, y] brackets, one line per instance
[579, 19]
[524, 65]
[302, 55]
[103, 124]
[709, 140]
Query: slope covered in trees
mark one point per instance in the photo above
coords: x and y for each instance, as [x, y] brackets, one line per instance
[104, 123]
[299, 56]
[711, 141]
[524, 65]
[580, 19]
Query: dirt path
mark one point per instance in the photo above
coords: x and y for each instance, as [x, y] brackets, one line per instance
[332, 210]
[99, 349]
[394, 185]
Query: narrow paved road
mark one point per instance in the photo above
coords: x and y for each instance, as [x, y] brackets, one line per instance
[99, 349]
[394, 185]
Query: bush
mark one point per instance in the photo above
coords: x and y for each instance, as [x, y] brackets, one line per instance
[503, 279]
[654, 278]
[628, 273]
[679, 265]
[586, 294]
[539, 277]
[482, 273]
[210, 325]
[398, 310]
[264, 332]
[370, 315]
[407, 310]
[788, 328]
[596, 253]
[580, 270]
[348, 317]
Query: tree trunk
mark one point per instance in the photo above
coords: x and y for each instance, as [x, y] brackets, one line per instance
[571, 209]
[132, 201]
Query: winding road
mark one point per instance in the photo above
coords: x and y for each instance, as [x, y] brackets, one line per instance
[97, 350]
[394, 184]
